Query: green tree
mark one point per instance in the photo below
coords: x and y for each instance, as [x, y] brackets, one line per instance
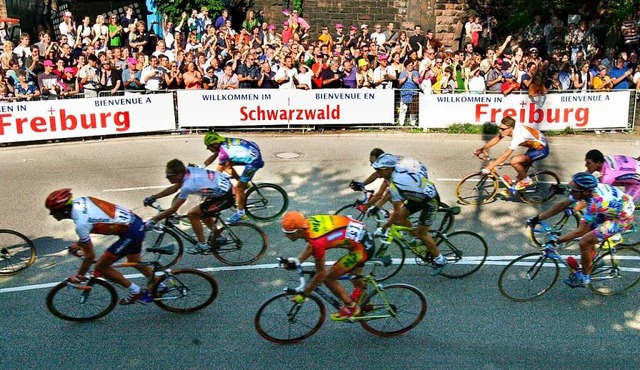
[174, 8]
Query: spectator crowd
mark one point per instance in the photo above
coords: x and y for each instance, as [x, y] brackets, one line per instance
[118, 53]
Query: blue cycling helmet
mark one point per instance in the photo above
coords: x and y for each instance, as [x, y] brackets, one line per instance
[585, 180]
[385, 160]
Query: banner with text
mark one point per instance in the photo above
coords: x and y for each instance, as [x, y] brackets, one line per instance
[69, 118]
[266, 107]
[581, 111]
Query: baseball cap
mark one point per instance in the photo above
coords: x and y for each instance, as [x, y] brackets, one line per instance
[68, 70]
[271, 27]
[286, 23]
[48, 63]
[353, 28]
[320, 55]
[339, 25]
[364, 26]
[363, 62]
[132, 61]
[508, 75]
[68, 14]
[382, 57]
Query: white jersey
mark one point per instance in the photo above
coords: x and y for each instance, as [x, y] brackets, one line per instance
[96, 216]
[209, 184]
[410, 185]
[528, 137]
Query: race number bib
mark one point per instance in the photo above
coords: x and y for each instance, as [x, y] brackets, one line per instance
[355, 231]
[122, 215]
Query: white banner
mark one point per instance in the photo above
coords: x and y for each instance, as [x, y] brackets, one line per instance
[264, 107]
[581, 111]
[68, 118]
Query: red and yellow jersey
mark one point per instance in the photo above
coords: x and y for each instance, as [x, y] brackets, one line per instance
[96, 216]
[333, 231]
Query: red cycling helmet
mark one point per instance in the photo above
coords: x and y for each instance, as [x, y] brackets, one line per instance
[58, 199]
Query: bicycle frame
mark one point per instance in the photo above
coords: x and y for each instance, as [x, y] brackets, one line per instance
[170, 223]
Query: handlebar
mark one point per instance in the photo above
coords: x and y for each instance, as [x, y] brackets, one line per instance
[286, 262]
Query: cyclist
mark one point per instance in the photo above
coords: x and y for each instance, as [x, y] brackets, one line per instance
[96, 216]
[214, 186]
[233, 152]
[615, 170]
[410, 191]
[322, 232]
[608, 211]
[522, 135]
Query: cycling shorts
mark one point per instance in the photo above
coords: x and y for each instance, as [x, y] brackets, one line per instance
[537, 154]
[357, 256]
[608, 228]
[428, 208]
[250, 170]
[213, 206]
[130, 242]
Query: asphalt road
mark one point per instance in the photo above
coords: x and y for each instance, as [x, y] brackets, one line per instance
[469, 325]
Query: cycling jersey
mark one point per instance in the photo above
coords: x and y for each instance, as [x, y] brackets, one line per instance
[239, 151]
[334, 231]
[95, 216]
[619, 169]
[527, 136]
[412, 165]
[609, 211]
[210, 184]
[409, 185]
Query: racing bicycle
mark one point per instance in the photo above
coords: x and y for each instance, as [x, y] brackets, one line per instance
[480, 188]
[239, 244]
[17, 252]
[615, 270]
[179, 291]
[386, 310]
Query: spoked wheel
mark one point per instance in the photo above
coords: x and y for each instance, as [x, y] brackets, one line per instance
[158, 239]
[397, 254]
[244, 243]
[561, 223]
[281, 321]
[477, 189]
[16, 252]
[615, 273]
[465, 252]
[184, 291]
[528, 276]
[371, 223]
[83, 303]
[394, 310]
[542, 187]
[266, 202]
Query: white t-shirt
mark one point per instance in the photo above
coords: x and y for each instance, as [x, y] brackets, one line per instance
[289, 73]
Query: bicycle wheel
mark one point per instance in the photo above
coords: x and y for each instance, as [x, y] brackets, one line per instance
[371, 223]
[393, 310]
[465, 252]
[163, 238]
[477, 189]
[266, 202]
[17, 252]
[442, 221]
[541, 188]
[281, 321]
[72, 304]
[185, 290]
[560, 222]
[632, 239]
[246, 243]
[397, 254]
[618, 273]
[528, 276]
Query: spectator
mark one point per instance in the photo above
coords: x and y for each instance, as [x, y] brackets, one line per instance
[326, 38]
[304, 77]
[564, 76]
[339, 36]
[364, 75]
[139, 39]
[390, 37]
[602, 82]
[476, 31]
[255, 38]
[116, 32]
[23, 49]
[287, 33]
[271, 37]
[477, 82]
[433, 43]
[553, 82]
[249, 72]
[131, 76]
[210, 80]
[537, 90]
[495, 78]
[620, 75]
[44, 44]
[350, 75]
[250, 21]
[332, 76]
[174, 79]
[151, 76]
[582, 80]
[69, 83]
[448, 83]
[286, 73]
[110, 78]
[527, 77]
[384, 74]
[33, 63]
[222, 19]
[378, 37]
[351, 40]
[67, 27]
[129, 18]
[192, 77]
[417, 42]
[58, 68]
[267, 77]
[47, 80]
[409, 82]
[534, 33]
[510, 84]
[229, 80]
[100, 30]
[25, 89]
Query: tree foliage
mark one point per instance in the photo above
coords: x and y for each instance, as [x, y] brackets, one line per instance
[174, 8]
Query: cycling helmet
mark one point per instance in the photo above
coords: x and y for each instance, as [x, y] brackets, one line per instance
[385, 160]
[585, 180]
[292, 221]
[58, 199]
[212, 138]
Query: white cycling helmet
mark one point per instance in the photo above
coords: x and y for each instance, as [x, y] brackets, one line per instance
[385, 160]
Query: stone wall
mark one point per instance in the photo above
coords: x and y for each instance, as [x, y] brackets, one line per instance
[449, 15]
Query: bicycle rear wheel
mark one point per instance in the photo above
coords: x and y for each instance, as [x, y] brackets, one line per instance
[632, 239]
[528, 276]
[465, 252]
[266, 202]
[185, 290]
[371, 223]
[618, 273]
[442, 221]
[281, 321]
[164, 238]
[541, 188]
[560, 222]
[246, 243]
[72, 304]
[17, 252]
[397, 254]
[477, 189]
[393, 310]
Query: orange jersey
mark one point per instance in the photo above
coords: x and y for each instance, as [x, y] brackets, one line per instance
[96, 216]
[333, 231]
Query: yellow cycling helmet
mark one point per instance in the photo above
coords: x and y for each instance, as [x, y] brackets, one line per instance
[212, 138]
[293, 221]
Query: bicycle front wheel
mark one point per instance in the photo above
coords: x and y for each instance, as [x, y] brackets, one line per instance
[184, 291]
[266, 202]
[17, 252]
[477, 189]
[281, 321]
[560, 223]
[528, 276]
[614, 273]
[245, 244]
[541, 188]
[371, 223]
[80, 305]
[157, 239]
[397, 254]
[465, 252]
[393, 310]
